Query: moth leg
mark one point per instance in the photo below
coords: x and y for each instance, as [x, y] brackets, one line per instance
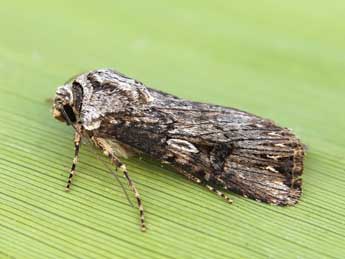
[108, 151]
[137, 196]
[210, 188]
[77, 140]
[192, 177]
[219, 193]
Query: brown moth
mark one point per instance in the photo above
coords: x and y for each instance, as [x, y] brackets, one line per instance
[219, 147]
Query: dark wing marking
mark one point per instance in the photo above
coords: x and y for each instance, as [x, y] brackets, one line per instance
[223, 147]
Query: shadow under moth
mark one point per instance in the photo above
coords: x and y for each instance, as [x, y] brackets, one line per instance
[218, 147]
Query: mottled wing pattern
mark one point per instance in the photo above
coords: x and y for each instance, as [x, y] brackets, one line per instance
[223, 147]
[237, 151]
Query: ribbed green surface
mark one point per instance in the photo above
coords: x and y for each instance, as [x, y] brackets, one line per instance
[281, 60]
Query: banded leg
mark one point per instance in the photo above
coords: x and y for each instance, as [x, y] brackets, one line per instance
[210, 188]
[108, 151]
[219, 193]
[77, 140]
[137, 196]
[192, 178]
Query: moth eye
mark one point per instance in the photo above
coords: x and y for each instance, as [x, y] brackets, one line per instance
[69, 111]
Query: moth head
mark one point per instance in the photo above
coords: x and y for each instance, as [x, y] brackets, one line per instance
[89, 97]
[67, 103]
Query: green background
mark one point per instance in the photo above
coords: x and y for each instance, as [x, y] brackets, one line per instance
[283, 60]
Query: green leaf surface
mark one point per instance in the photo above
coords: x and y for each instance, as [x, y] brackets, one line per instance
[283, 60]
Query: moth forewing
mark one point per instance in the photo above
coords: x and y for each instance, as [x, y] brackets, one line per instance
[218, 147]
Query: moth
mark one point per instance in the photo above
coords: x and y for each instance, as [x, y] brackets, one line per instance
[218, 147]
